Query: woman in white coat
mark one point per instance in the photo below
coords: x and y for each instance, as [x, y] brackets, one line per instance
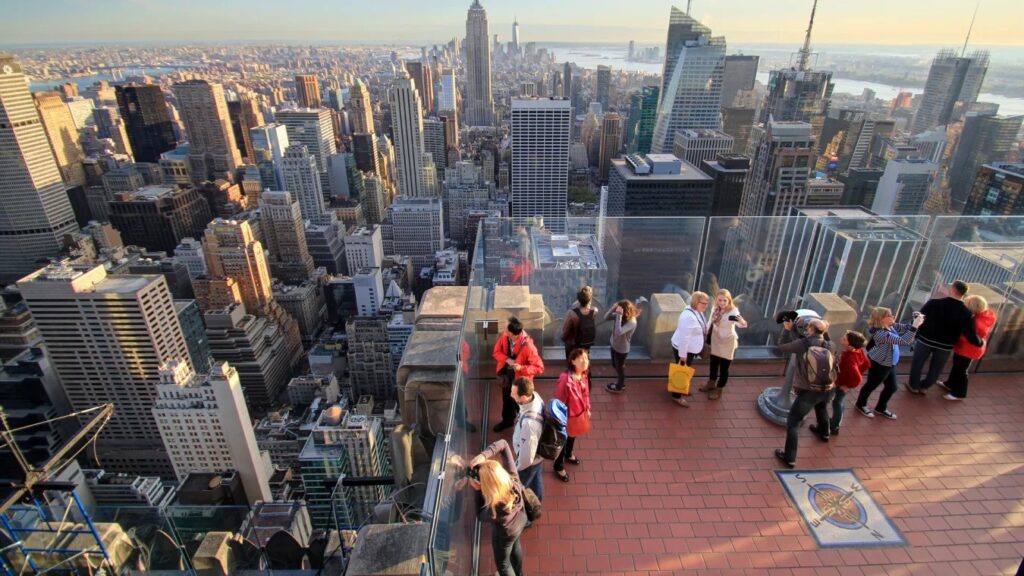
[688, 339]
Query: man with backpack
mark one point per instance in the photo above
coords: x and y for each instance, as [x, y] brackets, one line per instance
[817, 368]
[528, 433]
[580, 327]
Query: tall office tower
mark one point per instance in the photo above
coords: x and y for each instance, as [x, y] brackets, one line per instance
[407, 125]
[696, 146]
[541, 133]
[314, 129]
[515, 35]
[604, 86]
[739, 73]
[370, 350]
[338, 167]
[657, 185]
[63, 135]
[285, 237]
[737, 122]
[245, 115]
[364, 248]
[568, 88]
[629, 131]
[307, 91]
[904, 186]
[729, 173]
[448, 98]
[434, 143]
[644, 132]
[611, 143]
[360, 110]
[953, 85]
[985, 139]
[205, 426]
[81, 111]
[323, 461]
[269, 143]
[18, 331]
[232, 251]
[998, 190]
[258, 349]
[110, 125]
[423, 78]
[108, 337]
[413, 227]
[848, 139]
[35, 212]
[191, 319]
[212, 152]
[375, 199]
[431, 185]
[302, 179]
[147, 119]
[450, 119]
[780, 169]
[190, 253]
[479, 102]
[364, 441]
[364, 150]
[159, 217]
[691, 84]
[799, 94]
[326, 241]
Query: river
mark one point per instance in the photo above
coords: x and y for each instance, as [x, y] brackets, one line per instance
[590, 56]
[86, 81]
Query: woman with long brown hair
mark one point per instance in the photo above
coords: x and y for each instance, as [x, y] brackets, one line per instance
[624, 314]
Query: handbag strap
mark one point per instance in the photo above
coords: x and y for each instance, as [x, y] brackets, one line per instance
[701, 320]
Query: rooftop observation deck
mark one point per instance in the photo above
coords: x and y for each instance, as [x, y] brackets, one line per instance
[669, 490]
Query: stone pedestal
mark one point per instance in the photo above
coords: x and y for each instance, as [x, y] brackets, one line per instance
[390, 550]
[664, 311]
[834, 310]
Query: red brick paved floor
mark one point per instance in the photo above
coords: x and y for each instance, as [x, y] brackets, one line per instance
[669, 490]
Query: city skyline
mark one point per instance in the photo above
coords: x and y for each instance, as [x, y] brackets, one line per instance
[745, 21]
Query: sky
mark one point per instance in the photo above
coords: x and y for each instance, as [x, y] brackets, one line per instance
[930, 22]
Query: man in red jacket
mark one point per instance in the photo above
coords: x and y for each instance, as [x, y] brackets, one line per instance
[516, 357]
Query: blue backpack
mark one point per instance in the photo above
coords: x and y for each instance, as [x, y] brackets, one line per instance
[553, 434]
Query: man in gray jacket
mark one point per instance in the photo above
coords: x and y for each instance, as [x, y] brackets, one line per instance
[526, 437]
[810, 394]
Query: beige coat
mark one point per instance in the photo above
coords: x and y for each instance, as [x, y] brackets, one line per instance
[724, 339]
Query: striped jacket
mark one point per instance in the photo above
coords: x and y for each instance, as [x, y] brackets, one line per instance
[881, 352]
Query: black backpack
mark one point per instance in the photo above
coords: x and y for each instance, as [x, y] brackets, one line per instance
[553, 434]
[586, 330]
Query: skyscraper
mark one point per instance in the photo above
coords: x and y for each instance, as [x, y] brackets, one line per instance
[110, 125]
[148, 120]
[212, 153]
[985, 139]
[283, 231]
[434, 143]
[35, 213]
[212, 407]
[307, 91]
[641, 143]
[407, 125]
[423, 78]
[953, 84]
[998, 190]
[302, 179]
[479, 106]
[691, 84]
[739, 73]
[414, 228]
[269, 143]
[541, 134]
[611, 143]
[245, 116]
[567, 85]
[360, 110]
[124, 328]
[780, 169]
[799, 94]
[63, 135]
[604, 86]
[904, 186]
[313, 128]
[158, 217]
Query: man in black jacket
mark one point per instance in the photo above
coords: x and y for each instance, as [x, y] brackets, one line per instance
[945, 320]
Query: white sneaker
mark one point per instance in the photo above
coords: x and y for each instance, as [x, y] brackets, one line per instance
[866, 411]
[951, 397]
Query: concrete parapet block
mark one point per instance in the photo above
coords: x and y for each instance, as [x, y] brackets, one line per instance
[663, 317]
[390, 550]
[834, 310]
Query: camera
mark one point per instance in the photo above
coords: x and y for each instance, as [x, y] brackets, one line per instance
[734, 318]
[474, 473]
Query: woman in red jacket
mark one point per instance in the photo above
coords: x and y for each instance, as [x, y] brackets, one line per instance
[964, 352]
[574, 390]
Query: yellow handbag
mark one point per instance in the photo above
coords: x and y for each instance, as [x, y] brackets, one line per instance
[679, 377]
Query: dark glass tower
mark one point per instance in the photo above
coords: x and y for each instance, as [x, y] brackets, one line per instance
[148, 121]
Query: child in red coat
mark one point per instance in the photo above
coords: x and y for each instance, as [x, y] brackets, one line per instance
[853, 363]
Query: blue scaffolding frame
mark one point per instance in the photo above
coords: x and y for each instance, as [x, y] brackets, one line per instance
[45, 525]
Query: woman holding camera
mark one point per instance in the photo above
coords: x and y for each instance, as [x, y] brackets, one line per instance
[500, 497]
[723, 341]
[624, 314]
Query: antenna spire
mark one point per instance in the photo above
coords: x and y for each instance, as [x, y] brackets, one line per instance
[688, 7]
[969, 28]
[805, 52]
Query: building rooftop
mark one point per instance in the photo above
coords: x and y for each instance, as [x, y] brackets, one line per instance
[565, 252]
[148, 193]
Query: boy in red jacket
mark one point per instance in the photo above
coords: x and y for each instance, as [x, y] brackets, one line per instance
[853, 363]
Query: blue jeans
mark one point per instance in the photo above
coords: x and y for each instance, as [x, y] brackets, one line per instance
[838, 406]
[532, 478]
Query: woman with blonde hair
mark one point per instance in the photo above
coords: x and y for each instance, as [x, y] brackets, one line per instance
[964, 352]
[689, 338]
[624, 314]
[501, 499]
[885, 337]
[723, 341]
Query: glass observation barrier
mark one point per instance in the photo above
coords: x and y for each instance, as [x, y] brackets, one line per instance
[844, 261]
